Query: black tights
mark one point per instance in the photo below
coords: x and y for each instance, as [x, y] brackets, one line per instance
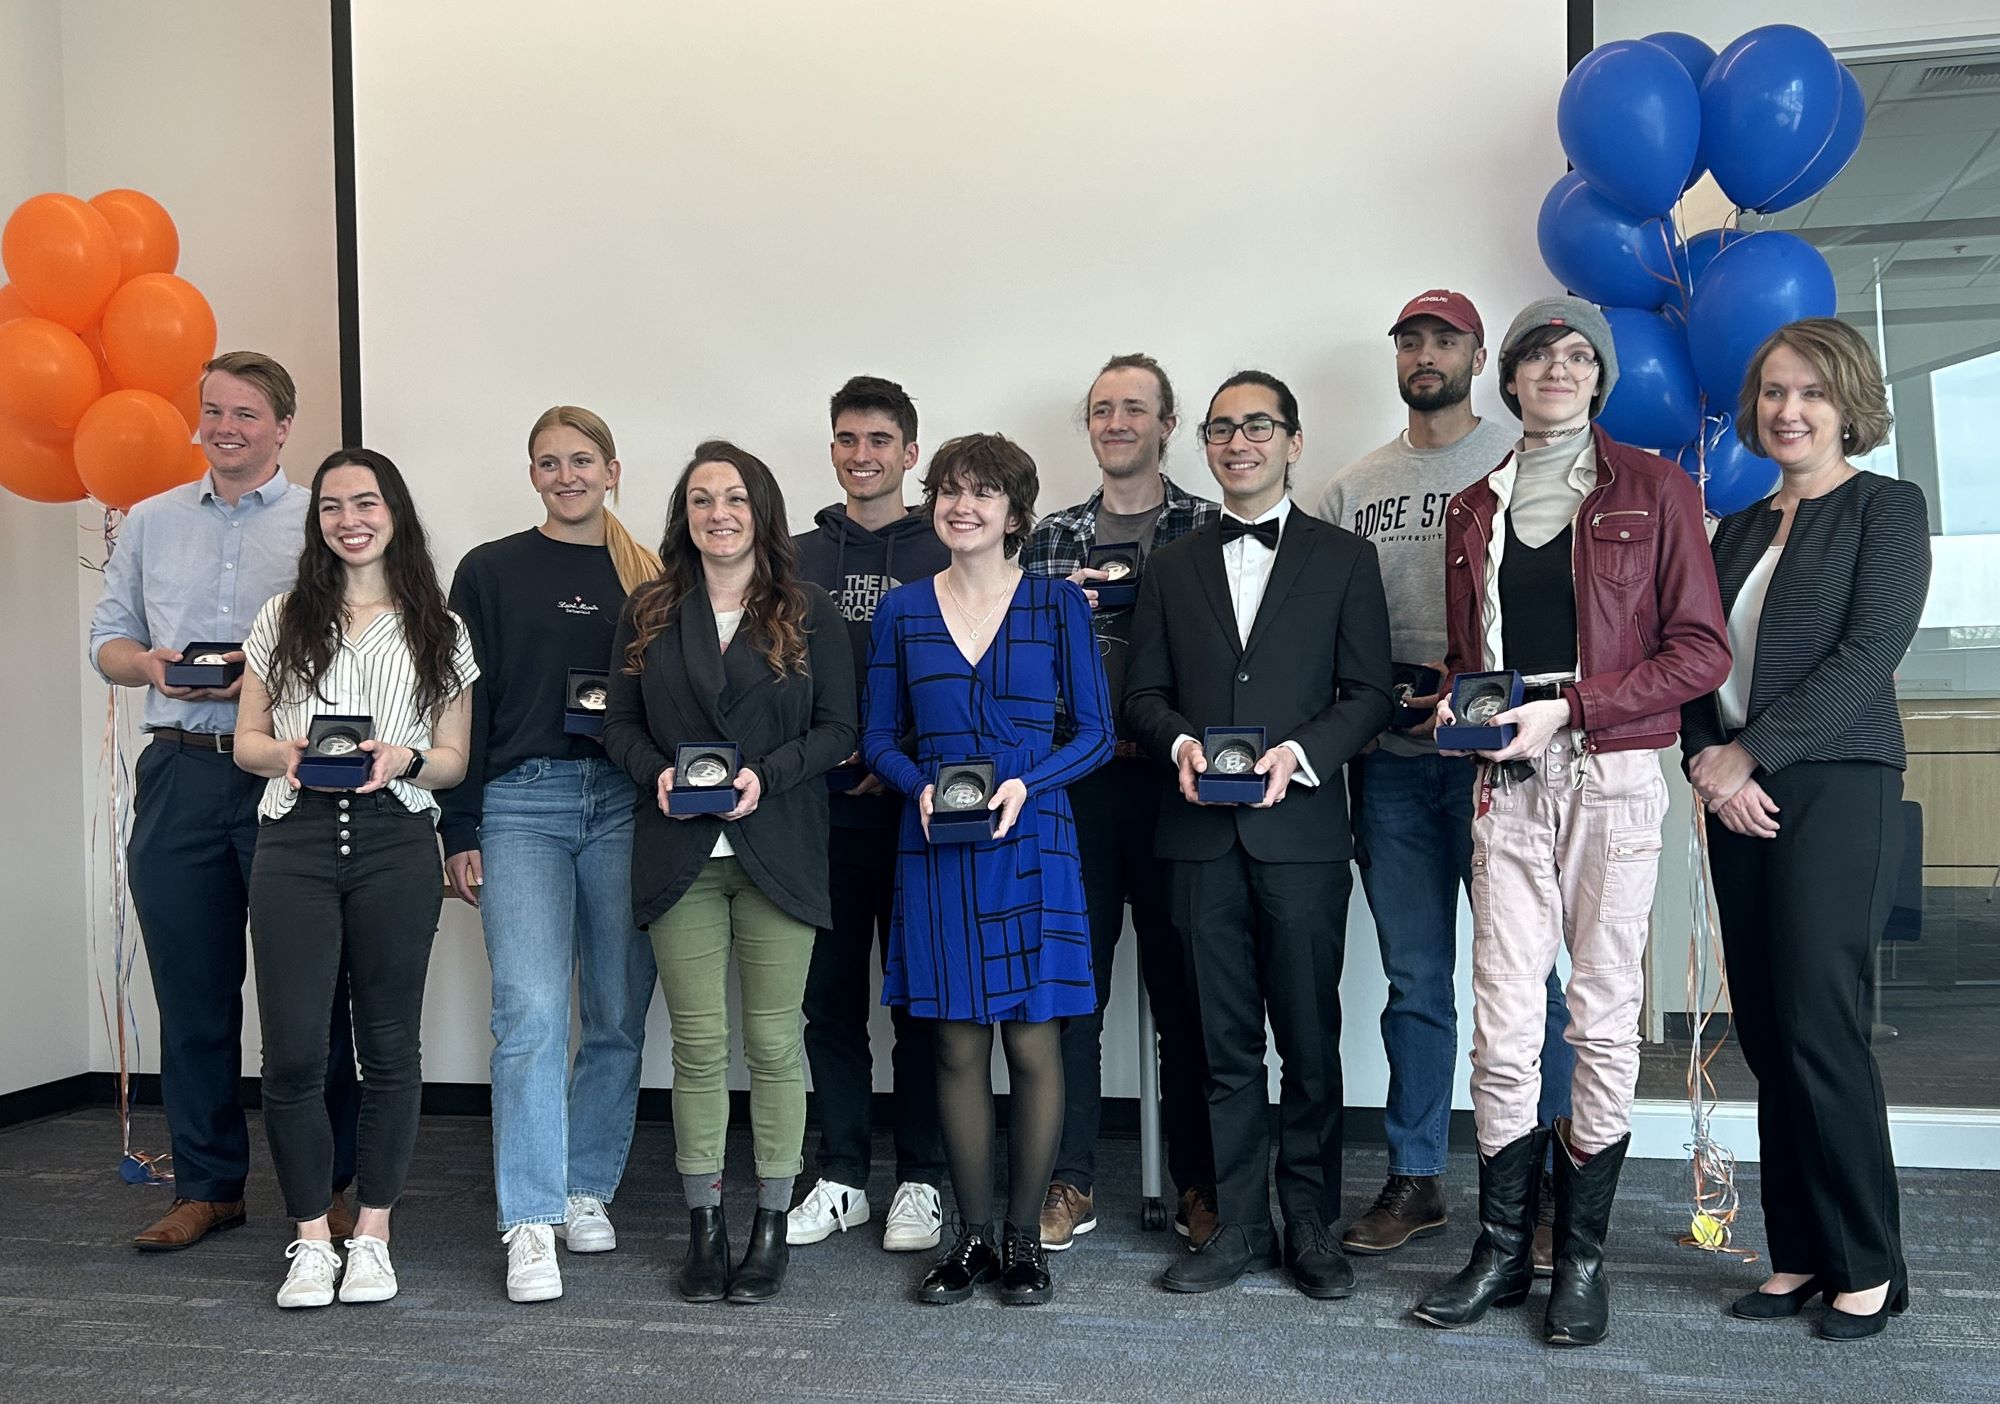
[1034, 1118]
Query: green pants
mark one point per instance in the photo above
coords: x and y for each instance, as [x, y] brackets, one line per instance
[723, 912]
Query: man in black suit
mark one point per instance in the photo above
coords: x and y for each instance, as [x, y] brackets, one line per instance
[1266, 618]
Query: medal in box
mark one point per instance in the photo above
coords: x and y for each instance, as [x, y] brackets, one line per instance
[958, 802]
[585, 696]
[334, 759]
[1477, 698]
[1232, 753]
[1120, 564]
[704, 776]
[205, 665]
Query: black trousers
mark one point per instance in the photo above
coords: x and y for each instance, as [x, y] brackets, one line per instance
[194, 828]
[355, 878]
[862, 877]
[1801, 916]
[1269, 939]
[1116, 809]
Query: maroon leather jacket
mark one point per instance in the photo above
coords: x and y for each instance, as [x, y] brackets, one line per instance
[1650, 629]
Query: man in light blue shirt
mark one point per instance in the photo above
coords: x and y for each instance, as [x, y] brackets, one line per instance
[194, 565]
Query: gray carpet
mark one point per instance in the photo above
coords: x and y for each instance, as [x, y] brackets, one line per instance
[83, 1317]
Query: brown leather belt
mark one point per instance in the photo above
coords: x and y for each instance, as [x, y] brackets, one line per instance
[222, 741]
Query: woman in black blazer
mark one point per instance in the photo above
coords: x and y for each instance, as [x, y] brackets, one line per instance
[1799, 759]
[728, 646]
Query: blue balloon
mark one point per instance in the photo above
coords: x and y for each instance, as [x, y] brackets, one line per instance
[1694, 55]
[1757, 284]
[1657, 401]
[1602, 252]
[1768, 104]
[1630, 121]
[1703, 247]
[1838, 151]
[1736, 477]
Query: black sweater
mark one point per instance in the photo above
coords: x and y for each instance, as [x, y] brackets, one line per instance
[535, 608]
[1842, 608]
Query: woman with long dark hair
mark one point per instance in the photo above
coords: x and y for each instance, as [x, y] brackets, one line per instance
[729, 647]
[350, 875]
[978, 662]
[542, 832]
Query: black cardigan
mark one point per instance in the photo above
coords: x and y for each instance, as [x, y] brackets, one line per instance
[1841, 610]
[791, 731]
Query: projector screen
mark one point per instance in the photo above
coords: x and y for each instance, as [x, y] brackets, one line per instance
[700, 220]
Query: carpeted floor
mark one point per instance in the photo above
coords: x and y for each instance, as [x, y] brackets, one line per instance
[83, 1317]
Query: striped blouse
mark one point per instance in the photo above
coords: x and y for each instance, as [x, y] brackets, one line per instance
[1841, 610]
[372, 676]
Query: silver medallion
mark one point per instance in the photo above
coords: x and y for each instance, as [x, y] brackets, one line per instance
[1233, 759]
[964, 794]
[591, 697]
[706, 773]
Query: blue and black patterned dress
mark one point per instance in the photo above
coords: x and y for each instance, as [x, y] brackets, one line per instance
[994, 929]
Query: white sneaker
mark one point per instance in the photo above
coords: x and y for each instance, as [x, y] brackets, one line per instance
[915, 1221]
[369, 1276]
[586, 1228]
[830, 1206]
[309, 1283]
[533, 1274]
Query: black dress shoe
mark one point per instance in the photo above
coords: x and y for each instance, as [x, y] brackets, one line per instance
[1838, 1325]
[704, 1274]
[1319, 1268]
[1024, 1272]
[761, 1274]
[970, 1262]
[1775, 1306]
[1226, 1256]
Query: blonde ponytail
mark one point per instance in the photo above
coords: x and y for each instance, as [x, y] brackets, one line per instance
[636, 564]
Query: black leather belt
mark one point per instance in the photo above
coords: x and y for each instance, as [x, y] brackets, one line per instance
[223, 741]
[1542, 692]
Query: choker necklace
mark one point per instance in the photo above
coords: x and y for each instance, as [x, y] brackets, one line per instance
[1547, 434]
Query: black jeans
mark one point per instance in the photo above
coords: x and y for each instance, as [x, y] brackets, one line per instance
[356, 877]
[1117, 808]
[194, 828]
[1801, 915]
[862, 873]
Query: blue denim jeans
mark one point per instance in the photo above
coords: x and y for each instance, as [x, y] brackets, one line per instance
[1413, 827]
[555, 843]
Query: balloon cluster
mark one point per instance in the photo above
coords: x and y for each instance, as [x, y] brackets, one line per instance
[1774, 118]
[101, 350]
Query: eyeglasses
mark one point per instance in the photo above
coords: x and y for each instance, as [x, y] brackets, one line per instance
[1579, 363]
[1258, 429]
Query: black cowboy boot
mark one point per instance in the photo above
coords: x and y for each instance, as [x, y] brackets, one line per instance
[704, 1274]
[1580, 1293]
[1502, 1266]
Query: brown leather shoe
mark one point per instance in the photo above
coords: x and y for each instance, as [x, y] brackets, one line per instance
[1195, 1219]
[1545, 1228]
[187, 1223]
[1409, 1206]
[1066, 1212]
[340, 1218]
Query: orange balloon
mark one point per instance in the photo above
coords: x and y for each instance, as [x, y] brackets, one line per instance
[93, 339]
[188, 402]
[130, 445]
[11, 305]
[48, 377]
[147, 239]
[62, 257]
[41, 468]
[158, 333]
[197, 463]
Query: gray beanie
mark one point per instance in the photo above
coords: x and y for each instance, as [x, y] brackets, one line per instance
[1581, 318]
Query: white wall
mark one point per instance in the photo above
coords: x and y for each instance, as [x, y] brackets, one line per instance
[42, 999]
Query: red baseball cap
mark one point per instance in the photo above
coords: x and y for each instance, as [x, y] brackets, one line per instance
[1452, 308]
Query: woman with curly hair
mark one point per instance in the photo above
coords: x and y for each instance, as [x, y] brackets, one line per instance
[729, 646]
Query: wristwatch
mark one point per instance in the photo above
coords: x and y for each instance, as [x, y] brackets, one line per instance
[415, 767]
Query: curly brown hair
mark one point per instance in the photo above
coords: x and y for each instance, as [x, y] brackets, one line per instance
[774, 607]
[989, 461]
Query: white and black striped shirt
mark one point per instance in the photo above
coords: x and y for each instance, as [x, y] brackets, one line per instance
[371, 676]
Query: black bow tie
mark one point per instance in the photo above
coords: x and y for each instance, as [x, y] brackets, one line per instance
[1266, 532]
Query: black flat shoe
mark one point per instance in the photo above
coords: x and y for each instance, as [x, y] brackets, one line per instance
[1838, 1325]
[704, 1274]
[1775, 1306]
[1024, 1272]
[970, 1262]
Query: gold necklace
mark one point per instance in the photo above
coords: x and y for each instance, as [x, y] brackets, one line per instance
[978, 626]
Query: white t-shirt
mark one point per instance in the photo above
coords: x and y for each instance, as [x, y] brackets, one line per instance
[726, 621]
[1732, 699]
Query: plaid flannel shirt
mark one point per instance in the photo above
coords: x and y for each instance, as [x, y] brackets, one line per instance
[1062, 540]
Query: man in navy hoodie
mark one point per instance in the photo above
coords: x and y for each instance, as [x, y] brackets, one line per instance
[858, 551]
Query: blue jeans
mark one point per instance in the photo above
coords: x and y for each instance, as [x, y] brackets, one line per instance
[1413, 828]
[555, 843]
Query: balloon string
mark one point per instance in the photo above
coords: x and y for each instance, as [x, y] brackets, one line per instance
[1715, 1200]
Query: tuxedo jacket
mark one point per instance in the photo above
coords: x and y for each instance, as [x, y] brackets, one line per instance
[1315, 671]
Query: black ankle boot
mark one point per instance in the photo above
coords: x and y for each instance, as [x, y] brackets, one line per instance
[1024, 1272]
[1580, 1292]
[761, 1274]
[970, 1262]
[1502, 1266]
[704, 1274]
